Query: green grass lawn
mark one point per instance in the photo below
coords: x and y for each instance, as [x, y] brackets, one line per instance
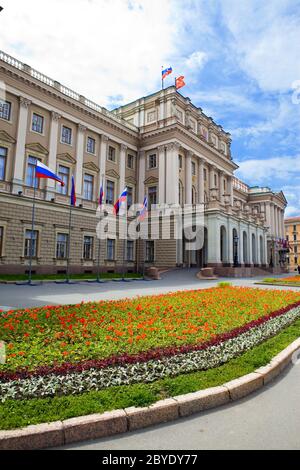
[20, 413]
[53, 277]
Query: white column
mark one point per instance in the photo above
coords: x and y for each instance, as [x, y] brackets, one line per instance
[201, 182]
[221, 186]
[212, 170]
[79, 160]
[188, 178]
[102, 161]
[250, 257]
[18, 175]
[213, 242]
[172, 169]
[50, 184]
[268, 216]
[265, 248]
[241, 245]
[142, 173]
[122, 167]
[230, 189]
[162, 174]
[230, 242]
[282, 223]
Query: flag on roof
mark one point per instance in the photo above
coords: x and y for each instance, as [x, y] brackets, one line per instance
[166, 72]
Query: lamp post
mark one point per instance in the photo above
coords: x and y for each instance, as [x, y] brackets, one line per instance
[235, 244]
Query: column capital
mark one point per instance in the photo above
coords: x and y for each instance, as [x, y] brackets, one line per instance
[189, 154]
[173, 146]
[24, 102]
[55, 116]
[123, 147]
[81, 128]
[104, 138]
[161, 148]
[142, 153]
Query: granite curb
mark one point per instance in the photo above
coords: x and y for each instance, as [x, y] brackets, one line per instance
[95, 426]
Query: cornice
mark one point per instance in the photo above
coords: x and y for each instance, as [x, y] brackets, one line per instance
[57, 95]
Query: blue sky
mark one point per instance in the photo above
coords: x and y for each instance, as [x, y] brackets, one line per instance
[240, 59]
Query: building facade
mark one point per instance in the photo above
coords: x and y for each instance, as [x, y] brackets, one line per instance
[292, 233]
[161, 146]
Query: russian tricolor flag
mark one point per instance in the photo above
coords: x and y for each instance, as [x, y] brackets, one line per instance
[42, 171]
[144, 210]
[166, 72]
[120, 201]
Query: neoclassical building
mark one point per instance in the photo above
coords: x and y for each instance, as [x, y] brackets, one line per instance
[161, 146]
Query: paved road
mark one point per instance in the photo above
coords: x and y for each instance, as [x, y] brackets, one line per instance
[20, 296]
[268, 419]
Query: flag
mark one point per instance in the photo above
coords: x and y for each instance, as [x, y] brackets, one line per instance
[166, 72]
[122, 198]
[42, 171]
[144, 210]
[73, 195]
[101, 196]
[179, 82]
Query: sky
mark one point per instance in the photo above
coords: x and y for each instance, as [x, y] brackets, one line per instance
[240, 59]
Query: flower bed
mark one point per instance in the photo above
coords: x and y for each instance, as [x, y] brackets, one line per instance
[293, 280]
[71, 349]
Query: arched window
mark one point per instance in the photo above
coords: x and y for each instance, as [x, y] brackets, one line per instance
[254, 260]
[223, 244]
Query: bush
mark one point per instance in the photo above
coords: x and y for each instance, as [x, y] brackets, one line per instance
[224, 284]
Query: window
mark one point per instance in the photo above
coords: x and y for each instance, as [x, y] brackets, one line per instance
[295, 237]
[129, 197]
[295, 249]
[62, 246]
[193, 168]
[205, 174]
[66, 135]
[296, 260]
[31, 241]
[151, 116]
[31, 179]
[130, 247]
[111, 154]
[224, 185]
[63, 173]
[149, 251]
[180, 161]
[88, 247]
[130, 161]
[152, 161]
[110, 249]
[295, 228]
[1, 240]
[215, 180]
[3, 158]
[5, 110]
[110, 192]
[88, 187]
[37, 123]
[152, 195]
[91, 145]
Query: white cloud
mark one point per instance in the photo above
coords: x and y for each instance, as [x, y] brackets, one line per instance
[265, 39]
[266, 171]
[196, 60]
[104, 49]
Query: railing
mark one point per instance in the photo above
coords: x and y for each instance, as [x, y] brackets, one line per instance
[63, 89]
[238, 184]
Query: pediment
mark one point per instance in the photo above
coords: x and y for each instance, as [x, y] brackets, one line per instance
[112, 174]
[131, 180]
[5, 137]
[282, 197]
[91, 166]
[66, 157]
[37, 148]
[151, 180]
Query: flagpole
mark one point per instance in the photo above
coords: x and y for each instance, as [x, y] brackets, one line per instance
[99, 239]
[32, 227]
[69, 246]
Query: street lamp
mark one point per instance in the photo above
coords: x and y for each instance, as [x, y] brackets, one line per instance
[235, 259]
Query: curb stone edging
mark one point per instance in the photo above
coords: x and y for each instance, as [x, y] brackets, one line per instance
[95, 426]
